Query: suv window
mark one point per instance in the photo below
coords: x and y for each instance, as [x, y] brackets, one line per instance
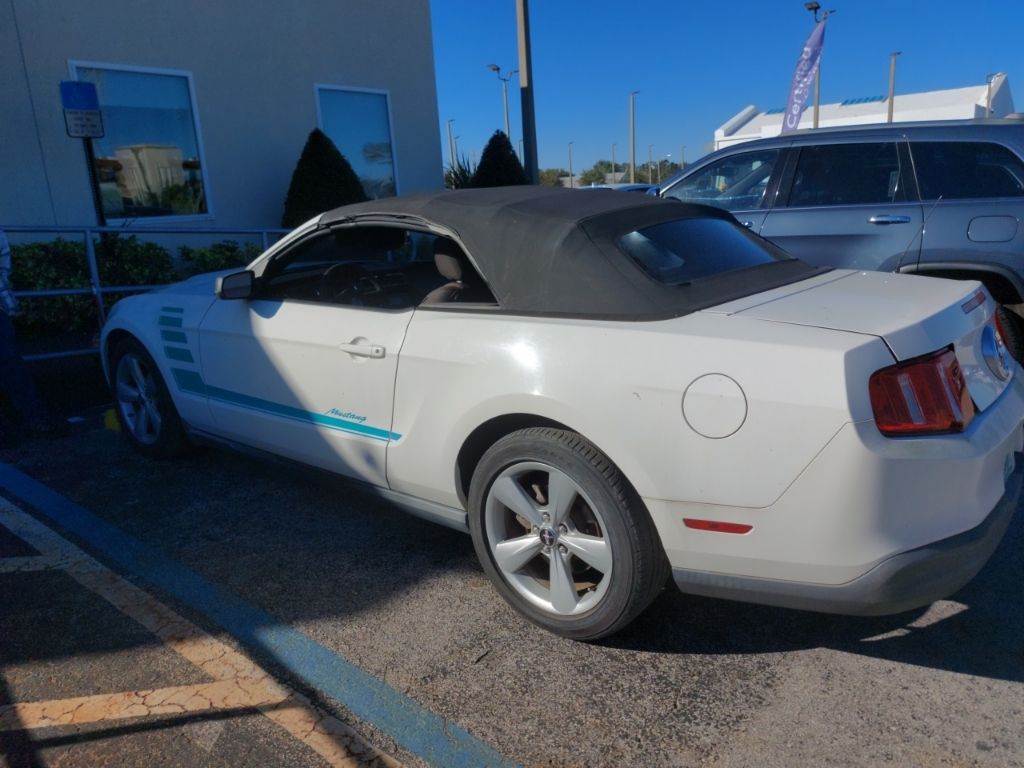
[735, 183]
[847, 174]
[966, 169]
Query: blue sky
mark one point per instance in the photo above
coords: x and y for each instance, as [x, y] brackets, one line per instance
[696, 64]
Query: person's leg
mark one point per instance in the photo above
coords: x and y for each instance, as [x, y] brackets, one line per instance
[15, 382]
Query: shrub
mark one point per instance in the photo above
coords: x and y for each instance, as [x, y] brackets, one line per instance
[62, 264]
[499, 165]
[460, 175]
[323, 179]
[226, 254]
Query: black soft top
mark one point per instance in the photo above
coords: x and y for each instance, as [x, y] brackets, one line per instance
[552, 251]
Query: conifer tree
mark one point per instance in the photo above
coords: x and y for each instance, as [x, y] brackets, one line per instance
[323, 179]
[499, 165]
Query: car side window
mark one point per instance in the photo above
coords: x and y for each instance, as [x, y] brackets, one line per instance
[963, 170]
[735, 183]
[847, 174]
[357, 266]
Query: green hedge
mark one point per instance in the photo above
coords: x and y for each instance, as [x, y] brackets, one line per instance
[120, 260]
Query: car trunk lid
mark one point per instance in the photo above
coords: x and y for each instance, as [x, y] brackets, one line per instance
[913, 315]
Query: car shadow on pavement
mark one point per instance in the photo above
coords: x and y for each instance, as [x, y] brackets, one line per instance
[977, 631]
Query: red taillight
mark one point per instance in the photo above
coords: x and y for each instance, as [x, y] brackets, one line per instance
[926, 395]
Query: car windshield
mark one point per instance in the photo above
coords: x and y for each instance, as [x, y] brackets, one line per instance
[681, 251]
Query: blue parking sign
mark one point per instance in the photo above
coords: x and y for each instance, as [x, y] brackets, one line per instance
[81, 109]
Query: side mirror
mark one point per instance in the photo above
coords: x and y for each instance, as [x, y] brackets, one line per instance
[237, 285]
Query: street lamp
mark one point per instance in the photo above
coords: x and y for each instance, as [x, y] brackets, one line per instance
[682, 156]
[892, 82]
[632, 136]
[504, 92]
[613, 163]
[571, 183]
[451, 145]
[650, 163]
[988, 93]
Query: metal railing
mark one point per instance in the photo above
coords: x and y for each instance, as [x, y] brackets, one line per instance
[96, 289]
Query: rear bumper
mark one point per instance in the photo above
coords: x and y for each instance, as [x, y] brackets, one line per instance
[902, 582]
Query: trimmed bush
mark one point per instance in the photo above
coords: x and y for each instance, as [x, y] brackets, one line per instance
[323, 179]
[499, 165]
[62, 264]
[226, 254]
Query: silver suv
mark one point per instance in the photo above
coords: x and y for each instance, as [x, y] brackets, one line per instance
[939, 198]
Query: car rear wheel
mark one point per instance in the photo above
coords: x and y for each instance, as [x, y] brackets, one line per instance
[143, 405]
[562, 536]
[1011, 327]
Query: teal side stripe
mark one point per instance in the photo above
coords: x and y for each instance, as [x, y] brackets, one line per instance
[177, 353]
[175, 310]
[190, 381]
[176, 336]
[171, 322]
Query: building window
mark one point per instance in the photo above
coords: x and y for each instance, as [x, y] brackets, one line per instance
[359, 124]
[149, 162]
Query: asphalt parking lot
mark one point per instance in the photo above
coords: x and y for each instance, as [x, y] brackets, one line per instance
[219, 610]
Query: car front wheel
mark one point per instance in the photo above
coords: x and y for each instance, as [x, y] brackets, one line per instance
[563, 537]
[143, 405]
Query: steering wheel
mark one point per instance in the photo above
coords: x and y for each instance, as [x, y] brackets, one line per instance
[345, 283]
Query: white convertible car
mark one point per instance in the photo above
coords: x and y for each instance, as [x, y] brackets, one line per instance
[604, 390]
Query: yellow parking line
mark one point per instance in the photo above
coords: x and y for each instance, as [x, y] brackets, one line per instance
[331, 738]
[30, 564]
[177, 700]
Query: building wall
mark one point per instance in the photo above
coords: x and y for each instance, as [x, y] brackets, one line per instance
[253, 63]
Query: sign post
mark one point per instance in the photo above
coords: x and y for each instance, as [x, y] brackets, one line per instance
[83, 120]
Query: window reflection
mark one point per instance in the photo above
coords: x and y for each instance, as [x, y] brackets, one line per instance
[359, 125]
[148, 162]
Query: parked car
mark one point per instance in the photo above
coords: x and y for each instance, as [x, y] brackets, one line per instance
[625, 187]
[940, 198]
[603, 390]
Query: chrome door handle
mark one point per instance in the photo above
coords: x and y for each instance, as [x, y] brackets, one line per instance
[375, 351]
[884, 218]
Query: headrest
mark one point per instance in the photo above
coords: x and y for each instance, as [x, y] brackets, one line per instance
[448, 258]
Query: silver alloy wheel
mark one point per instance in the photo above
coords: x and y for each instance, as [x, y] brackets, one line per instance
[548, 539]
[136, 398]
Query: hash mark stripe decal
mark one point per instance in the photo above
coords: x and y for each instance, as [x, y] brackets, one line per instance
[176, 336]
[173, 310]
[170, 322]
[190, 381]
[177, 353]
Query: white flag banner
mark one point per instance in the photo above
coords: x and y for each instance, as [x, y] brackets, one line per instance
[806, 69]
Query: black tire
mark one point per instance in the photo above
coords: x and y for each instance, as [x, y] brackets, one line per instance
[1012, 329]
[638, 568]
[160, 438]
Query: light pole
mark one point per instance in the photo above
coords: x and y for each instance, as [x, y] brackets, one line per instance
[988, 93]
[682, 156]
[451, 145]
[814, 8]
[504, 93]
[632, 136]
[650, 163]
[520, 150]
[892, 82]
[526, 91]
[613, 163]
[455, 143]
[571, 183]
